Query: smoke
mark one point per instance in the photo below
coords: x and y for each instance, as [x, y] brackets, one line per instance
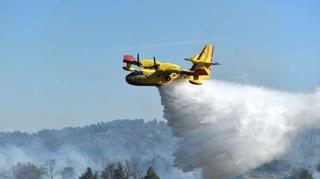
[228, 129]
[66, 156]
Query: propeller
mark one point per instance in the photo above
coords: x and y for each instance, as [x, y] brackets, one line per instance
[156, 66]
[138, 59]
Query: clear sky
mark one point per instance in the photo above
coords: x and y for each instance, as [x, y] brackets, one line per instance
[60, 61]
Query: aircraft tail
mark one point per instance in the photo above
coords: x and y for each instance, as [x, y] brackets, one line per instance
[202, 64]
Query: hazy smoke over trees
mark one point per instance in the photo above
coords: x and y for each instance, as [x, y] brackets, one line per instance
[228, 129]
[66, 153]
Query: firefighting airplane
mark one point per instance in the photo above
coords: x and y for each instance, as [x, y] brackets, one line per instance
[151, 72]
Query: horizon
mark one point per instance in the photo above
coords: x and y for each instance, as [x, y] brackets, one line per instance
[86, 125]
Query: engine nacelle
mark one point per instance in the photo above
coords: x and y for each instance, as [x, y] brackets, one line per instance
[129, 59]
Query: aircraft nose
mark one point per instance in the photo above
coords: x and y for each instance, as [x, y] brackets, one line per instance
[135, 77]
[130, 78]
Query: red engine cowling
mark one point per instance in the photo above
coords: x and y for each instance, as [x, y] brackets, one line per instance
[128, 58]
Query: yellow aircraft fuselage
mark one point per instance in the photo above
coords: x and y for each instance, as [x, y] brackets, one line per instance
[165, 73]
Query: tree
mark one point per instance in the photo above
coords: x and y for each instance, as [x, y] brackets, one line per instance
[128, 169]
[50, 166]
[119, 172]
[27, 171]
[108, 171]
[151, 174]
[132, 169]
[301, 173]
[67, 173]
[113, 171]
[89, 174]
[5, 173]
[304, 174]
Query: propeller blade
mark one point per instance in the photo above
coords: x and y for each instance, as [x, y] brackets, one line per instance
[155, 63]
[138, 59]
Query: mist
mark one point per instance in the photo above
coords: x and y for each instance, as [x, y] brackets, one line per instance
[227, 129]
[149, 144]
[39, 155]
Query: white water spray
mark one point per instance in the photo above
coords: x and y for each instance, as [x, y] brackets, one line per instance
[228, 129]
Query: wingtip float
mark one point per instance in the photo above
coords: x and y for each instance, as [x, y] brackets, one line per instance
[151, 72]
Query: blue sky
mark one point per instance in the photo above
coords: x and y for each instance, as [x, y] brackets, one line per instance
[60, 61]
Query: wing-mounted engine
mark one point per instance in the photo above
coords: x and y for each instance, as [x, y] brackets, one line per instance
[129, 60]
